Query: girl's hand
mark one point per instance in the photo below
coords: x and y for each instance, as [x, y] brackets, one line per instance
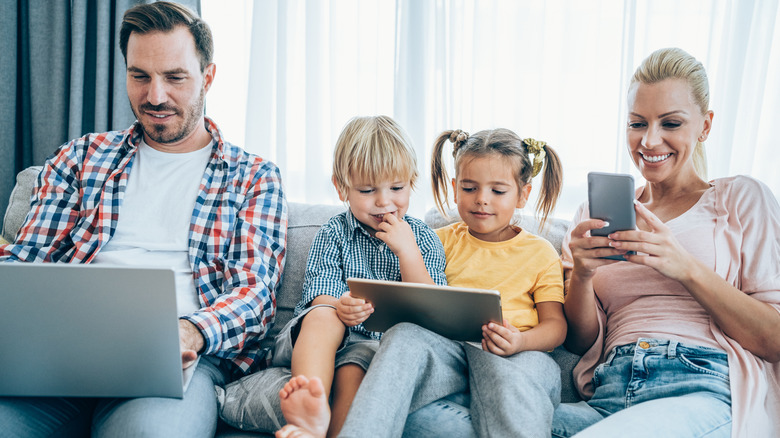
[587, 250]
[352, 311]
[398, 235]
[661, 249]
[503, 340]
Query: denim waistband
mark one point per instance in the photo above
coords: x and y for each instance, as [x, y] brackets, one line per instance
[667, 347]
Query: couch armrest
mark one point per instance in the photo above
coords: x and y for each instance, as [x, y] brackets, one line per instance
[19, 202]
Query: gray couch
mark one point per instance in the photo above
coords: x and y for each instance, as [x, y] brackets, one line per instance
[304, 221]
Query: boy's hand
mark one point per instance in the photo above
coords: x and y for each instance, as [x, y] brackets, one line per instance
[503, 340]
[398, 235]
[353, 311]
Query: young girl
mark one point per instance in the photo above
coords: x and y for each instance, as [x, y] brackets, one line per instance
[485, 250]
[513, 384]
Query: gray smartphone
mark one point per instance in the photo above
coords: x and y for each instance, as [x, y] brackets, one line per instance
[611, 198]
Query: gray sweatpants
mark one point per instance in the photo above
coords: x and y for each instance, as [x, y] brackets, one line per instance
[513, 396]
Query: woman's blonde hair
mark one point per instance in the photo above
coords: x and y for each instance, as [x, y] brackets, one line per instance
[373, 148]
[674, 63]
[510, 147]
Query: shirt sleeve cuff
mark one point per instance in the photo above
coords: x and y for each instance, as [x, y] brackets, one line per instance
[210, 328]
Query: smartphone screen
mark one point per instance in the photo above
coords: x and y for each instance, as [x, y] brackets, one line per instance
[611, 199]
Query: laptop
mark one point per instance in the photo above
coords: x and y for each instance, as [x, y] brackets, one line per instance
[456, 313]
[89, 331]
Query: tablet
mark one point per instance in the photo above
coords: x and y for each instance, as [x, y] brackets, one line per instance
[456, 313]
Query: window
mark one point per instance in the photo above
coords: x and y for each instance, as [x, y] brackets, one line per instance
[290, 74]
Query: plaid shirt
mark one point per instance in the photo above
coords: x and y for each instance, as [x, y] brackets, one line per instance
[343, 249]
[236, 238]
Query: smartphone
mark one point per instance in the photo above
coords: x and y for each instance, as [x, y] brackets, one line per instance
[611, 199]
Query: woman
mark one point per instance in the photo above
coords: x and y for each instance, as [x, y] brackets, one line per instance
[682, 338]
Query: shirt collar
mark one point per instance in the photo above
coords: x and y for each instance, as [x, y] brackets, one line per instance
[354, 226]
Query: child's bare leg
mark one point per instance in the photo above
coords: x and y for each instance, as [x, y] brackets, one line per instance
[345, 386]
[305, 407]
[314, 352]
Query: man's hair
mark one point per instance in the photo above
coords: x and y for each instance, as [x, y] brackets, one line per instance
[373, 149]
[165, 17]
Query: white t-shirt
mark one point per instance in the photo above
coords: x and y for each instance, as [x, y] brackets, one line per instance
[154, 218]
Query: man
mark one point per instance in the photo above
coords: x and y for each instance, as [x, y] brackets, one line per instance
[141, 196]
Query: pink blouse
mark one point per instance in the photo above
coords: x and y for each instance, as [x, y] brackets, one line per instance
[733, 228]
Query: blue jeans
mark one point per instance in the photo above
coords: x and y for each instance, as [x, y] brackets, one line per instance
[194, 415]
[653, 388]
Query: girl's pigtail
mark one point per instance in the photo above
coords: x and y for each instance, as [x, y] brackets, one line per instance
[439, 178]
[552, 181]
[439, 173]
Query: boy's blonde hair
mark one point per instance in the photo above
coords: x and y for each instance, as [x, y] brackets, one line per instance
[373, 148]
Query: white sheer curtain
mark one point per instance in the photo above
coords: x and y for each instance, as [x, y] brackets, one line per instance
[292, 73]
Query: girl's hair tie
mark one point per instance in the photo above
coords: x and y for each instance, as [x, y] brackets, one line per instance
[458, 137]
[536, 147]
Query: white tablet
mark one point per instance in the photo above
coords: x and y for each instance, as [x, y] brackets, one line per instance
[456, 313]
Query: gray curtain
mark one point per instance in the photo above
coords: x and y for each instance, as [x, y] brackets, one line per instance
[63, 76]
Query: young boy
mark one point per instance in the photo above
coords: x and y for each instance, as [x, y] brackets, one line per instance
[374, 171]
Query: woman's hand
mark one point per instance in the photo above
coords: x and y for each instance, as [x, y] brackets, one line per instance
[661, 250]
[752, 323]
[352, 311]
[587, 251]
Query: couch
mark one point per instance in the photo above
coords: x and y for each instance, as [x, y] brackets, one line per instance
[304, 221]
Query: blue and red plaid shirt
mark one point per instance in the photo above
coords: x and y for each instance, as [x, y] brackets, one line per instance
[236, 239]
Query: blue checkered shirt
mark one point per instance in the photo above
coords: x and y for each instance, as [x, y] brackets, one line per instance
[343, 249]
[237, 233]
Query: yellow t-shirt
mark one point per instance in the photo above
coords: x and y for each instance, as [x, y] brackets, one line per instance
[525, 270]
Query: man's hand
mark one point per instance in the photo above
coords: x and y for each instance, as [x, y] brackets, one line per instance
[191, 342]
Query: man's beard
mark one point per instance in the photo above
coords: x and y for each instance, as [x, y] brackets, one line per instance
[166, 134]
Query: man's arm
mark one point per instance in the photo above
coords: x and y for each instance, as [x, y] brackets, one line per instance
[55, 205]
[239, 280]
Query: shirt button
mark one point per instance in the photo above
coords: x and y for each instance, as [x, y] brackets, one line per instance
[644, 345]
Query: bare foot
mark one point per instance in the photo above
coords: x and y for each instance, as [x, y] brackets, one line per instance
[291, 431]
[305, 408]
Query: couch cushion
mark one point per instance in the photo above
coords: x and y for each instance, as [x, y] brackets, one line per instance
[19, 202]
